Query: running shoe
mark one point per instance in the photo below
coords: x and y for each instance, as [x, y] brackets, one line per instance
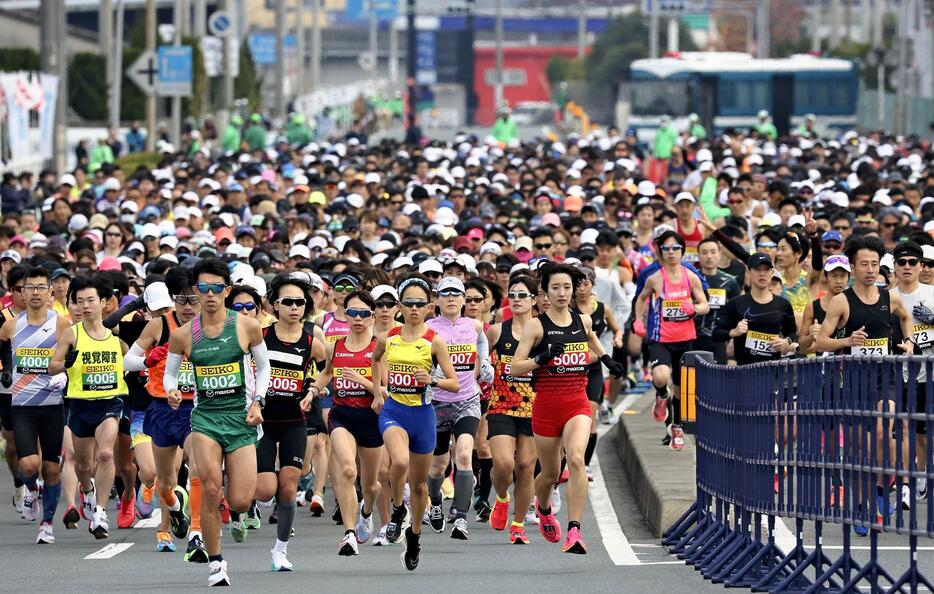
[906, 497]
[603, 413]
[381, 540]
[364, 527]
[127, 514]
[677, 438]
[412, 549]
[348, 545]
[196, 553]
[336, 515]
[483, 514]
[530, 516]
[517, 535]
[436, 519]
[861, 530]
[223, 509]
[253, 520]
[99, 525]
[19, 494]
[88, 501]
[145, 501]
[45, 535]
[660, 410]
[399, 520]
[459, 531]
[218, 576]
[164, 542]
[555, 500]
[279, 561]
[31, 506]
[305, 482]
[406, 495]
[71, 518]
[237, 531]
[548, 525]
[564, 477]
[666, 440]
[574, 543]
[921, 487]
[274, 515]
[178, 518]
[317, 505]
[500, 515]
[884, 507]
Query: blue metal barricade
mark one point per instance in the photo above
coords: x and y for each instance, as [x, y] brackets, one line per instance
[822, 442]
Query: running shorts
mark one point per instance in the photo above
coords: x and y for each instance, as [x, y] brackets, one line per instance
[168, 427]
[361, 423]
[920, 407]
[500, 424]
[44, 425]
[227, 428]
[126, 416]
[458, 418]
[669, 354]
[137, 434]
[283, 441]
[417, 421]
[314, 419]
[85, 416]
[551, 413]
[6, 412]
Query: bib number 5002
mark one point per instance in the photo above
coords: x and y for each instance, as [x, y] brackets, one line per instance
[571, 359]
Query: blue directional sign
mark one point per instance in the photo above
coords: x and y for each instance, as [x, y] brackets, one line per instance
[426, 68]
[263, 47]
[175, 71]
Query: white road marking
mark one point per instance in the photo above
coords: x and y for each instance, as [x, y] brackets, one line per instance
[614, 540]
[152, 521]
[111, 550]
[784, 538]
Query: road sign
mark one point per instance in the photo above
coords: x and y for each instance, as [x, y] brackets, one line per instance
[365, 61]
[220, 23]
[166, 32]
[426, 69]
[263, 47]
[677, 7]
[212, 49]
[143, 72]
[175, 71]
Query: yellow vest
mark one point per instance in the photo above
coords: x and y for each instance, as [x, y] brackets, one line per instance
[98, 372]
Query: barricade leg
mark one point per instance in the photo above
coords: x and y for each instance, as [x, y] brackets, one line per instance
[816, 559]
[843, 567]
[913, 577]
[682, 525]
[788, 563]
[768, 557]
[871, 571]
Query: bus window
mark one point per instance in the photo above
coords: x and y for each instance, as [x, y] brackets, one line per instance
[660, 97]
[826, 95]
[743, 96]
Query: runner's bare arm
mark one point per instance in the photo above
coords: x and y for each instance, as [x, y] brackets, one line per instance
[439, 349]
[701, 307]
[837, 314]
[531, 335]
[904, 317]
[66, 341]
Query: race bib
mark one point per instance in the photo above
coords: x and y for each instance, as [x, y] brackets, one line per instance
[215, 381]
[344, 388]
[99, 378]
[402, 380]
[285, 383]
[463, 356]
[575, 359]
[716, 298]
[186, 378]
[873, 346]
[672, 311]
[923, 335]
[29, 360]
[758, 343]
[506, 371]
[690, 254]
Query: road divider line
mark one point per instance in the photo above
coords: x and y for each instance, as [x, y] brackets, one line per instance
[152, 521]
[784, 538]
[111, 550]
[614, 540]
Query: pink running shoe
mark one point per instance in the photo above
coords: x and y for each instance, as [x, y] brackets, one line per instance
[565, 476]
[548, 525]
[574, 543]
[660, 410]
[677, 438]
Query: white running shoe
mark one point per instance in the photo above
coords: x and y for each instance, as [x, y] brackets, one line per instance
[906, 497]
[531, 517]
[89, 501]
[348, 545]
[555, 500]
[31, 506]
[364, 526]
[280, 562]
[459, 531]
[19, 494]
[921, 488]
[45, 534]
[218, 575]
[381, 540]
[99, 526]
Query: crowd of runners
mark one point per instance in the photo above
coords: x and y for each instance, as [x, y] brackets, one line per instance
[366, 331]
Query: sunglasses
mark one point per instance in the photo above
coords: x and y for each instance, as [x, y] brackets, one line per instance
[907, 261]
[293, 301]
[889, 225]
[433, 275]
[927, 264]
[386, 304]
[185, 299]
[832, 246]
[740, 201]
[344, 288]
[518, 294]
[114, 234]
[766, 245]
[543, 246]
[474, 300]
[363, 314]
[561, 242]
[215, 288]
[450, 293]
[418, 303]
[238, 307]
[671, 248]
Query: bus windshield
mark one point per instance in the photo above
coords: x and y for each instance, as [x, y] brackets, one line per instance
[660, 97]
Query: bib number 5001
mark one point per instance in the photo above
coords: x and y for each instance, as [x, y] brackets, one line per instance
[402, 380]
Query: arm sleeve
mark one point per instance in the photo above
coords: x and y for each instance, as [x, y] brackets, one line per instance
[134, 359]
[817, 255]
[263, 370]
[483, 358]
[170, 379]
[730, 244]
[725, 323]
[113, 319]
[6, 355]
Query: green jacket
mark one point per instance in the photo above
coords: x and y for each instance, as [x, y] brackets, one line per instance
[297, 134]
[505, 130]
[699, 132]
[100, 154]
[708, 200]
[665, 140]
[231, 140]
[255, 137]
[768, 130]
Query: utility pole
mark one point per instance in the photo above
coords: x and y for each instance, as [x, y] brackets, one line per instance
[280, 58]
[411, 55]
[581, 28]
[116, 97]
[184, 23]
[227, 81]
[52, 36]
[393, 53]
[763, 29]
[374, 70]
[904, 28]
[469, 85]
[201, 17]
[498, 94]
[673, 33]
[848, 18]
[653, 28]
[105, 26]
[299, 48]
[151, 99]
[834, 23]
[815, 27]
[315, 45]
[176, 100]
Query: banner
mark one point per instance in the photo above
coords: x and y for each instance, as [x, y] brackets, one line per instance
[49, 84]
[17, 115]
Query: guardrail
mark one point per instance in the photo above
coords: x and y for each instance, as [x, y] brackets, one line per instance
[815, 441]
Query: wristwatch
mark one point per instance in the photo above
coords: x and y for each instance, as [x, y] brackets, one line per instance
[261, 399]
[433, 383]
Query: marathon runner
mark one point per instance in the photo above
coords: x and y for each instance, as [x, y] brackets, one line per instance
[836, 273]
[721, 287]
[15, 281]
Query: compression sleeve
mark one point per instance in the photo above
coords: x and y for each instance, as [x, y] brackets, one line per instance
[170, 379]
[6, 355]
[135, 359]
[263, 370]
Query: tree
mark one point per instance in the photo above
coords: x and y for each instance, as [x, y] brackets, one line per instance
[246, 84]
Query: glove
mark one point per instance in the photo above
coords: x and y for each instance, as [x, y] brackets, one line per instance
[486, 371]
[70, 357]
[58, 381]
[156, 355]
[638, 327]
[554, 350]
[6, 379]
[615, 367]
[923, 313]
